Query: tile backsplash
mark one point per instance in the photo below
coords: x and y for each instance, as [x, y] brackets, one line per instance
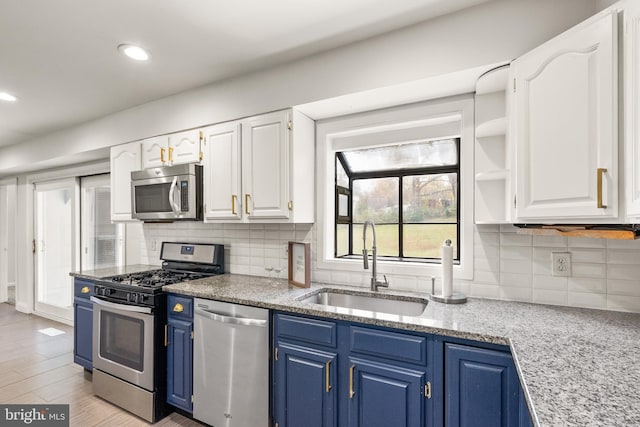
[509, 266]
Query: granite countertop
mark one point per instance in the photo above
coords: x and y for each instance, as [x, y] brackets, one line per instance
[112, 271]
[578, 367]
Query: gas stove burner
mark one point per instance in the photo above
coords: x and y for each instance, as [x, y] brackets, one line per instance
[156, 278]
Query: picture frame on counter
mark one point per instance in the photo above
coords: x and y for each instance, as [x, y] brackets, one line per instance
[300, 264]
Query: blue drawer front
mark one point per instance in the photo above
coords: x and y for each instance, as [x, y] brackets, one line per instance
[180, 306]
[389, 345]
[309, 330]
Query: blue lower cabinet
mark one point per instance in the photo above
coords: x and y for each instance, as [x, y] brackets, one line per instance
[83, 332]
[180, 363]
[83, 323]
[179, 343]
[481, 387]
[383, 395]
[306, 386]
[523, 413]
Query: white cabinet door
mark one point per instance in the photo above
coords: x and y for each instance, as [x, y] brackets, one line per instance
[222, 193]
[632, 109]
[566, 125]
[154, 152]
[184, 147]
[124, 159]
[265, 165]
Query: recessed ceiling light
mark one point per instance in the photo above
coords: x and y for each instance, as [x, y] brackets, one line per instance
[134, 52]
[4, 96]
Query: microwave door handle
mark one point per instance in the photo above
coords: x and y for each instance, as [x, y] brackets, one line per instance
[172, 189]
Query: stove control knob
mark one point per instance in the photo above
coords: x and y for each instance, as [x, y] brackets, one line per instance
[134, 297]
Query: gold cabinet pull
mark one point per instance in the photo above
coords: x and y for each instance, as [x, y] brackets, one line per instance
[246, 203]
[327, 375]
[166, 335]
[85, 290]
[178, 308]
[170, 154]
[162, 155]
[601, 171]
[233, 203]
[427, 390]
[351, 392]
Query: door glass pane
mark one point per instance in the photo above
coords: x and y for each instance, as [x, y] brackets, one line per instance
[430, 198]
[101, 240]
[55, 241]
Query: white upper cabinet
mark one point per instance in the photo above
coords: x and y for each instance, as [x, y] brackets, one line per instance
[632, 109]
[565, 125]
[124, 160]
[184, 147]
[260, 169]
[222, 179]
[174, 149]
[155, 152]
[265, 165]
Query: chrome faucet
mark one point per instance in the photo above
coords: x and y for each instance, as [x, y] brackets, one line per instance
[375, 283]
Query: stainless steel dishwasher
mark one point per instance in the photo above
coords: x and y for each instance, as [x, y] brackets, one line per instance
[230, 364]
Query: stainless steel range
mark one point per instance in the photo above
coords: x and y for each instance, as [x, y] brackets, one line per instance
[129, 316]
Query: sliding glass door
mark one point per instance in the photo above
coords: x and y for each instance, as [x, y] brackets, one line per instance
[102, 243]
[56, 242]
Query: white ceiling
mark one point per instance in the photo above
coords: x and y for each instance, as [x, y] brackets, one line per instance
[60, 58]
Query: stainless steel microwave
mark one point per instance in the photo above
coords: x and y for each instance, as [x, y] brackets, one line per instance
[167, 193]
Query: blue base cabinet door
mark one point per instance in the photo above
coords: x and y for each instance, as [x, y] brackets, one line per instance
[384, 395]
[83, 333]
[305, 386]
[481, 388]
[179, 344]
[83, 323]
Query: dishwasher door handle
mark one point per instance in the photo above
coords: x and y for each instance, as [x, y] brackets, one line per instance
[231, 320]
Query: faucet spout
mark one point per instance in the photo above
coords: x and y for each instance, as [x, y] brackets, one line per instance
[375, 283]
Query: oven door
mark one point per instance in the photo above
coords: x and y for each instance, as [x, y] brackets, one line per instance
[167, 197]
[123, 344]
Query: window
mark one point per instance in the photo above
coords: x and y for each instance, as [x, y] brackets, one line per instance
[410, 170]
[410, 191]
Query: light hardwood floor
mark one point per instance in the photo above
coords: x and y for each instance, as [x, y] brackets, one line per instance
[39, 369]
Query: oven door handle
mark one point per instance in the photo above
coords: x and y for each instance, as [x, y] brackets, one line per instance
[172, 202]
[244, 321]
[123, 307]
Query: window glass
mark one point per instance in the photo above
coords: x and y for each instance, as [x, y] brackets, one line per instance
[387, 242]
[376, 200]
[342, 240]
[403, 156]
[342, 179]
[430, 198]
[425, 240]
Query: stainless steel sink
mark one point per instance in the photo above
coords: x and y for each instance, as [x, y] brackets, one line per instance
[391, 304]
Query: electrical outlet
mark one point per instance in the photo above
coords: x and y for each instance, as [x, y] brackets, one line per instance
[561, 264]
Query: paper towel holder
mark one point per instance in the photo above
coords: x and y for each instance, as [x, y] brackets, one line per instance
[455, 298]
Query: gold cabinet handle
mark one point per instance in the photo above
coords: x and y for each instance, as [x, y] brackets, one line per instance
[233, 203]
[427, 390]
[327, 376]
[246, 203]
[178, 308]
[601, 171]
[85, 290]
[170, 154]
[162, 155]
[351, 392]
[166, 335]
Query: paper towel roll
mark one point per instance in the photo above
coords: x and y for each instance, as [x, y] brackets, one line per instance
[447, 269]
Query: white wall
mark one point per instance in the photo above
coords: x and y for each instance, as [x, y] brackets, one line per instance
[488, 33]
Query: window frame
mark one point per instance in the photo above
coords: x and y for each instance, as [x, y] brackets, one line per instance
[399, 173]
[340, 133]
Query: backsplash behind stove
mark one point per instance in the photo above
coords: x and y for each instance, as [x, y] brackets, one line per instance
[507, 266]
